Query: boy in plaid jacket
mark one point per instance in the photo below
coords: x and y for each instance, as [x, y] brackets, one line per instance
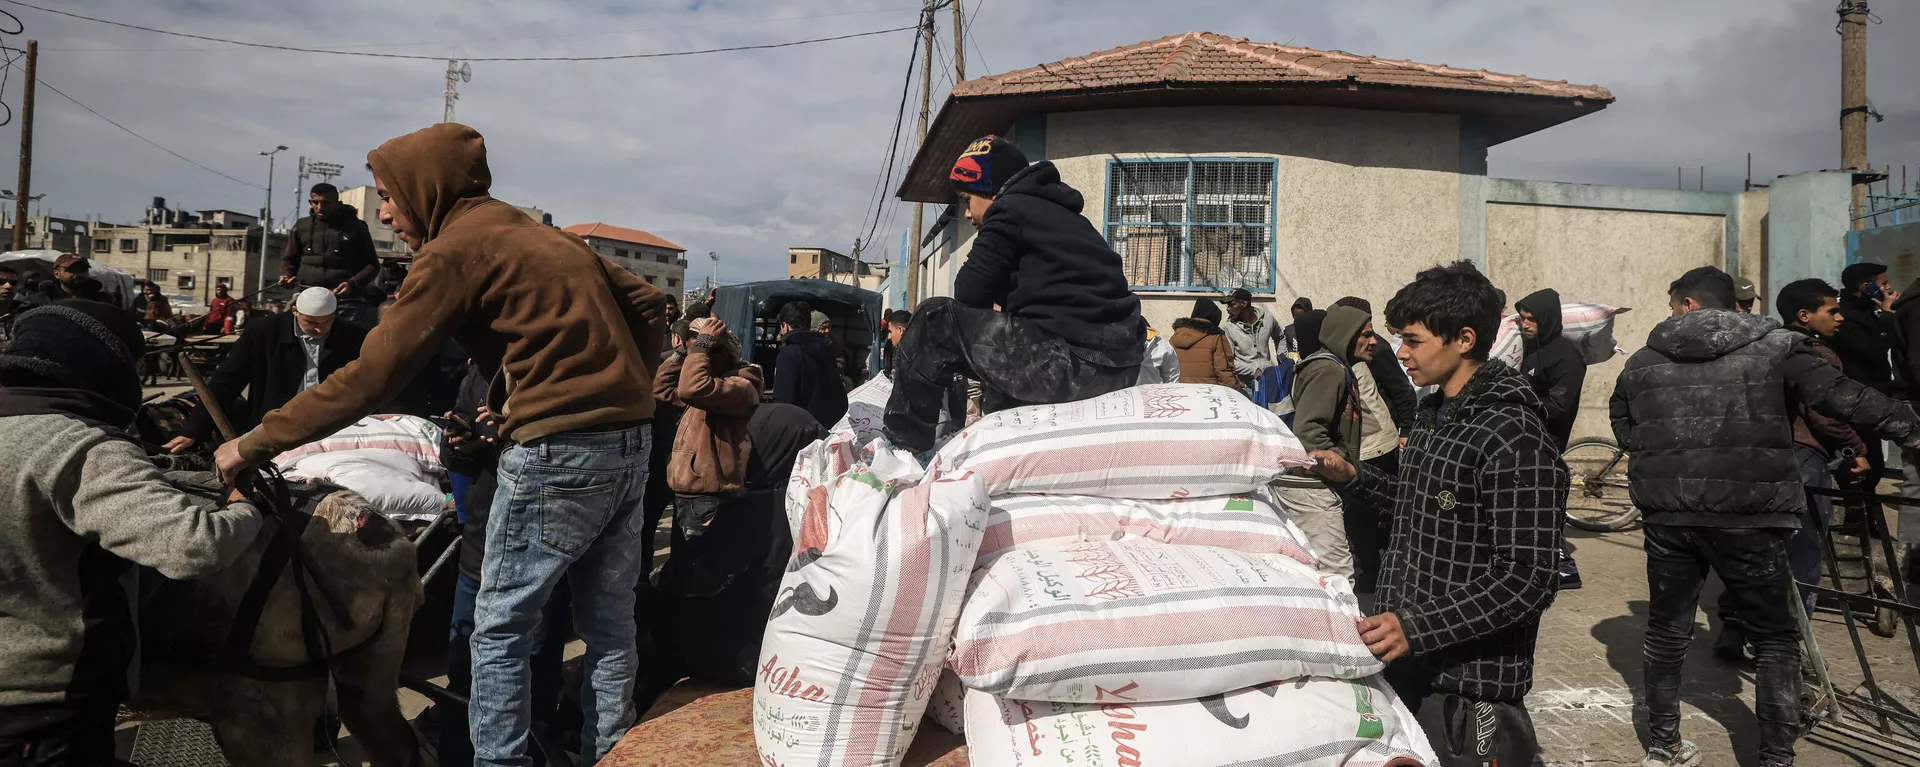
[1477, 508]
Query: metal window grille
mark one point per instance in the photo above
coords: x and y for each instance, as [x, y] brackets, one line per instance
[1192, 224]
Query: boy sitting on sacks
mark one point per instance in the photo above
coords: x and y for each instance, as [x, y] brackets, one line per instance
[1476, 525]
[1067, 327]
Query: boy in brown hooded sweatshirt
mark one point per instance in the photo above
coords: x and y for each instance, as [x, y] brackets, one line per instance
[575, 341]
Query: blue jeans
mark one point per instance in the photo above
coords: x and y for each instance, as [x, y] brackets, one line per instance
[568, 505]
[456, 743]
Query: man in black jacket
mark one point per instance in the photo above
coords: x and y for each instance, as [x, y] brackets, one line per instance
[806, 374]
[1865, 338]
[1067, 327]
[332, 249]
[1726, 497]
[1477, 507]
[276, 357]
[1558, 372]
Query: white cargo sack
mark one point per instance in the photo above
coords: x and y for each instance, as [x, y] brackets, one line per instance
[1149, 442]
[1301, 723]
[1174, 622]
[395, 482]
[1233, 522]
[865, 406]
[857, 637]
[1588, 326]
[948, 706]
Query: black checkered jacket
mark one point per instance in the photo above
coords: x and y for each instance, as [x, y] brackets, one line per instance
[1473, 560]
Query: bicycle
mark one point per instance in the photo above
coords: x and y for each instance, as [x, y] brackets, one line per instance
[1598, 500]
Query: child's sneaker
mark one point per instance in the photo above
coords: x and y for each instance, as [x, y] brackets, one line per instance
[1683, 755]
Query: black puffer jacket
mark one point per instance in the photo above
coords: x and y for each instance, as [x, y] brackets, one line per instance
[1703, 411]
[805, 375]
[328, 251]
[1554, 366]
[1040, 260]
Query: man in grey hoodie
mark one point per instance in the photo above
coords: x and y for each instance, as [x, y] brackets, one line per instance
[1254, 335]
[78, 501]
[1327, 415]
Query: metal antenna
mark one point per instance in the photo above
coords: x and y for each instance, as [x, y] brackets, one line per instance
[457, 72]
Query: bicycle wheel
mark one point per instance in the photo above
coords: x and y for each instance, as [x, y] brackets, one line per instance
[1597, 499]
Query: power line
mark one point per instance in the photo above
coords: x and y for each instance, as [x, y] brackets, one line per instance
[974, 39]
[76, 102]
[521, 38]
[879, 197]
[419, 57]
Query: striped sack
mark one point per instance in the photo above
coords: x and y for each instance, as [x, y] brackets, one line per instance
[948, 706]
[862, 625]
[1174, 622]
[1228, 522]
[1300, 723]
[1588, 326]
[415, 436]
[865, 406]
[1151, 442]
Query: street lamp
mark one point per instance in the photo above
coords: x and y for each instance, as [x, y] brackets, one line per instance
[716, 272]
[266, 222]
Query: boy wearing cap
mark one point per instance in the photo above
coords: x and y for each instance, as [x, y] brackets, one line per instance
[1067, 328]
[1744, 295]
[278, 356]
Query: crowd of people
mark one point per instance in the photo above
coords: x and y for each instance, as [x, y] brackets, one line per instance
[582, 404]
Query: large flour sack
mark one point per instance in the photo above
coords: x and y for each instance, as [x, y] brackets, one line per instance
[395, 482]
[948, 706]
[866, 404]
[856, 640]
[1233, 522]
[1171, 622]
[1588, 326]
[1151, 442]
[1301, 723]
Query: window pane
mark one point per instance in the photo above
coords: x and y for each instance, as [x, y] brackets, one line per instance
[1151, 254]
[1221, 189]
[1226, 257]
[1148, 191]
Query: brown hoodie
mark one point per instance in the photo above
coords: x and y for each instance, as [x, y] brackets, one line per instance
[711, 450]
[576, 338]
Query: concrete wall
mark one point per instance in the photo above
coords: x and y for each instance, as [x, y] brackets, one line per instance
[1366, 198]
[1897, 246]
[1616, 257]
[1807, 223]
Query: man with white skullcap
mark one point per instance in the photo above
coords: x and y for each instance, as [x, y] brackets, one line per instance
[277, 356]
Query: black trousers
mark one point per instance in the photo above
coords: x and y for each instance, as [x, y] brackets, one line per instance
[56, 736]
[1015, 361]
[1467, 732]
[1368, 529]
[1760, 588]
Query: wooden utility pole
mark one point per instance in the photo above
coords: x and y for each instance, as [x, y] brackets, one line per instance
[926, 104]
[959, 47]
[1853, 99]
[25, 191]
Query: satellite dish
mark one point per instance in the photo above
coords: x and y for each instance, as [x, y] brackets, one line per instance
[466, 72]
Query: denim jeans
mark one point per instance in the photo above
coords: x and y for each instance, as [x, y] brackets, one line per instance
[568, 505]
[1753, 565]
[456, 743]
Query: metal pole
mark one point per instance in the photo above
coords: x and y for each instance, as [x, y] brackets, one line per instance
[926, 104]
[959, 49]
[1853, 98]
[26, 149]
[266, 227]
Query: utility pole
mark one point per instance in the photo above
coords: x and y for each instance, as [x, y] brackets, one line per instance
[1853, 99]
[959, 49]
[926, 104]
[266, 223]
[26, 151]
[462, 73]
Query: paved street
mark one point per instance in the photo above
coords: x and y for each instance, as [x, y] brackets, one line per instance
[1589, 667]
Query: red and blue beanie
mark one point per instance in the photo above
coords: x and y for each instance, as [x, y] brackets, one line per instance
[986, 166]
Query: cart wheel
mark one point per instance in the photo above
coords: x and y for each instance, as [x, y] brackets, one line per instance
[1812, 706]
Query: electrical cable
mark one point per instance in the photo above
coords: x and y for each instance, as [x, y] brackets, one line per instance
[129, 131]
[419, 57]
[970, 20]
[893, 144]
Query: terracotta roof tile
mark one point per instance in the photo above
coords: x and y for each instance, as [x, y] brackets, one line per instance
[623, 234]
[1206, 58]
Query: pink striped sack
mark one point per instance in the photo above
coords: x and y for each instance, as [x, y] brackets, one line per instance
[1228, 522]
[862, 625]
[1301, 723]
[1149, 442]
[1588, 326]
[865, 406]
[1174, 622]
[415, 436]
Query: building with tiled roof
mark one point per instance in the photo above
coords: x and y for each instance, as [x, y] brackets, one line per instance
[1212, 162]
[655, 259]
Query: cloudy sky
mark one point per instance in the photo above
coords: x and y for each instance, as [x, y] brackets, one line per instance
[746, 153]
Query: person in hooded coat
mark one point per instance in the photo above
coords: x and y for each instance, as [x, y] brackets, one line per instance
[1067, 328]
[807, 373]
[1159, 364]
[1327, 416]
[1206, 356]
[1557, 371]
[576, 340]
[1290, 337]
[78, 501]
[1726, 499]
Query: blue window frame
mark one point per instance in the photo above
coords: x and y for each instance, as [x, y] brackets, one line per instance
[1193, 224]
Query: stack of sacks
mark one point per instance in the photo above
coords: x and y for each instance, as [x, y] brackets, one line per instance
[392, 460]
[1588, 326]
[1126, 586]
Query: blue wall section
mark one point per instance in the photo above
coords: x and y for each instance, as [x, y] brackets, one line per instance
[1807, 223]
